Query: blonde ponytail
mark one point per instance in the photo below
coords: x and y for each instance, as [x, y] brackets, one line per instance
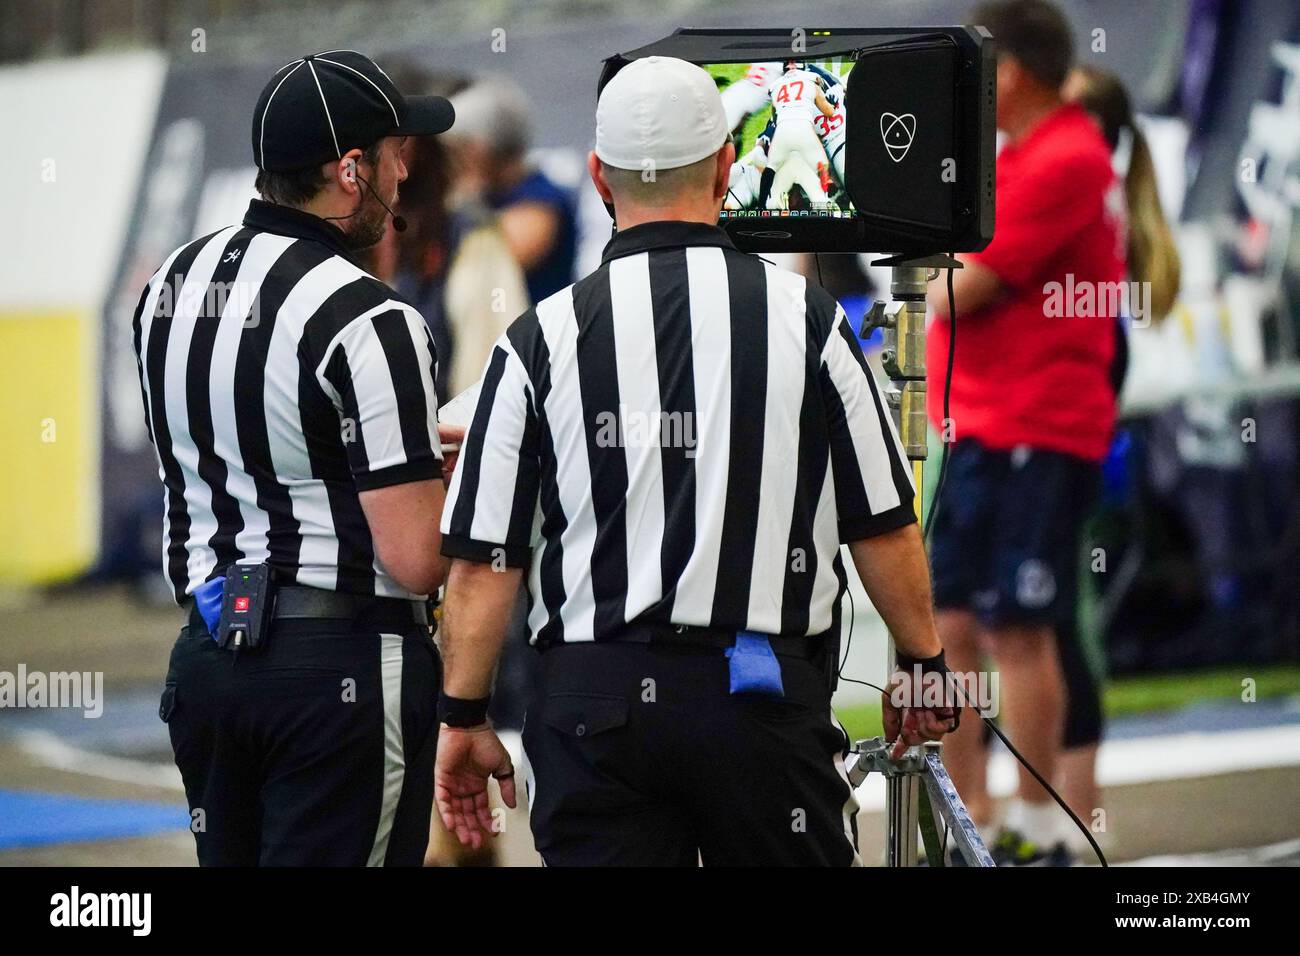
[1152, 254]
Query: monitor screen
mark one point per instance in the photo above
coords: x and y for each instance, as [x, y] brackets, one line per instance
[877, 139]
[789, 123]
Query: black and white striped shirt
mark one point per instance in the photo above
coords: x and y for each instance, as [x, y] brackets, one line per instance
[684, 436]
[280, 380]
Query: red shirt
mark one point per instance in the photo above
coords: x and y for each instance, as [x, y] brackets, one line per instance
[1033, 366]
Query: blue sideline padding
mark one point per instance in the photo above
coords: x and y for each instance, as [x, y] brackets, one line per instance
[28, 818]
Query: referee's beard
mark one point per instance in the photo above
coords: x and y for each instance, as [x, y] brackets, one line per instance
[366, 227]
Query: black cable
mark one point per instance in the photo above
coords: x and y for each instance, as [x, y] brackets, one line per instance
[818, 259]
[848, 645]
[1020, 757]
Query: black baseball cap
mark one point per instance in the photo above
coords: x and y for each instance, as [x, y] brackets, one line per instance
[320, 106]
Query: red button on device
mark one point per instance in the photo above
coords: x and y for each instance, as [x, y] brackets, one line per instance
[241, 604]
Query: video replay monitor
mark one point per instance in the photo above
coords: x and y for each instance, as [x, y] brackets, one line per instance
[859, 140]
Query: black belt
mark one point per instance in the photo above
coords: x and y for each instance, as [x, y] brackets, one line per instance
[294, 602]
[675, 635]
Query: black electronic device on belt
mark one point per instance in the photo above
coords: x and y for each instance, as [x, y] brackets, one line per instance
[247, 606]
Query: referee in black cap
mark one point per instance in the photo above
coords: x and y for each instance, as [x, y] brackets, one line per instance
[289, 396]
[674, 449]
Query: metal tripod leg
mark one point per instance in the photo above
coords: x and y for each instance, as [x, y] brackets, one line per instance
[920, 766]
[947, 803]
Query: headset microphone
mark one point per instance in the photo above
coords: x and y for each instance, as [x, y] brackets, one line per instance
[399, 222]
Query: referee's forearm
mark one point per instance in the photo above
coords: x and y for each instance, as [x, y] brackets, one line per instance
[480, 600]
[896, 576]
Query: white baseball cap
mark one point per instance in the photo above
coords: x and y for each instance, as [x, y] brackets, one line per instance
[659, 113]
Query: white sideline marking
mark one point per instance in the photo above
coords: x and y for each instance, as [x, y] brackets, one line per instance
[1147, 759]
[50, 751]
[1273, 854]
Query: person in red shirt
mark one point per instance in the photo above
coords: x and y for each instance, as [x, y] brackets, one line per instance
[1031, 411]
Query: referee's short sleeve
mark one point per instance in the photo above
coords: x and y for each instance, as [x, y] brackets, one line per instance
[492, 500]
[873, 483]
[379, 373]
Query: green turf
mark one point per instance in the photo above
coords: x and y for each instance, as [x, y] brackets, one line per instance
[1149, 693]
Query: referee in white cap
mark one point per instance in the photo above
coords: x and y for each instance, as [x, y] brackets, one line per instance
[289, 396]
[673, 449]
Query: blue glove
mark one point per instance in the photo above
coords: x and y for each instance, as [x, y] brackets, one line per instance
[207, 597]
[754, 667]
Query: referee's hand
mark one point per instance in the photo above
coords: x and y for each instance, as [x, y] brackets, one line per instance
[466, 758]
[908, 725]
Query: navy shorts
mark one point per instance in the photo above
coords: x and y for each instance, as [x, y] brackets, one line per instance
[1006, 539]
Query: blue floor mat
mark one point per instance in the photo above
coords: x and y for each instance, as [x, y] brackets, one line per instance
[28, 818]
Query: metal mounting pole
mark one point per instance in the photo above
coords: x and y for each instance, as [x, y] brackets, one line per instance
[903, 358]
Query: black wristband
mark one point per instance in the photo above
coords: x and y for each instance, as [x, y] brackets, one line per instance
[458, 712]
[928, 665]
[935, 665]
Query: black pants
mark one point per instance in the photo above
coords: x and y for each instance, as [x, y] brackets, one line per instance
[641, 757]
[315, 750]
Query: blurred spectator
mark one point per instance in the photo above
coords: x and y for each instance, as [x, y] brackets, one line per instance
[1032, 410]
[1153, 260]
[536, 217]
[1152, 253]
[452, 263]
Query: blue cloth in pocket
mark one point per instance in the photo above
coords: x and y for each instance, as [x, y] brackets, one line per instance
[207, 598]
[754, 667]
